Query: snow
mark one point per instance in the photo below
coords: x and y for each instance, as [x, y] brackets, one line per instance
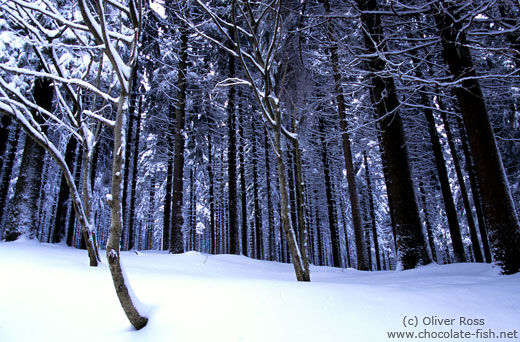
[49, 293]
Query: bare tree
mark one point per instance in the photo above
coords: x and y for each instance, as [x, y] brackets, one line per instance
[256, 36]
[81, 122]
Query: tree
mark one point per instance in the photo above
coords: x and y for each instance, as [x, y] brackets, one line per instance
[501, 218]
[257, 57]
[411, 243]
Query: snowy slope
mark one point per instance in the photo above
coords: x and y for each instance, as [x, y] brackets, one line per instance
[49, 293]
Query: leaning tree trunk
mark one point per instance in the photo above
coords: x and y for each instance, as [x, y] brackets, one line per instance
[411, 243]
[501, 218]
[124, 292]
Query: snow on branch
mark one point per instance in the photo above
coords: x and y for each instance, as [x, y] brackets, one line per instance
[232, 82]
[103, 120]
[72, 81]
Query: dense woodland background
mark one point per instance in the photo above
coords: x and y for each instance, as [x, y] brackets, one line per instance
[357, 133]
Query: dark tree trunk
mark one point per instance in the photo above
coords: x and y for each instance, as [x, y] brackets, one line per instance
[22, 218]
[270, 213]
[64, 194]
[449, 204]
[256, 201]
[362, 262]
[242, 172]
[133, 179]
[501, 219]
[191, 213]
[8, 164]
[176, 237]
[232, 164]
[477, 253]
[372, 210]
[71, 224]
[212, 226]
[427, 223]
[126, 174]
[5, 122]
[167, 214]
[411, 243]
[333, 224]
[470, 169]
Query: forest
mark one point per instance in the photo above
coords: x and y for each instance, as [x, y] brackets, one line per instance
[375, 135]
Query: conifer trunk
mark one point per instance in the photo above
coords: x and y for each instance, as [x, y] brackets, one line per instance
[411, 243]
[501, 218]
[176, 236]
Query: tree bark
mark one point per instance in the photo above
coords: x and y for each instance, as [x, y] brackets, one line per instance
[167, 216]
[411, 243]
[242, 173]
[362, 262]
[475, 191]
[232, 164]
[176, 236]
[133, 182]
[449, 204]
[372, 210]
[332, 215]
[64, 194]
[477, 253]
[8, 164]
[270, 214]
[123, 290]
[501, 218]
[21, 219]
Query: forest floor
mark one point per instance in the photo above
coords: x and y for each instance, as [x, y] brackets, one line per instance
[49, 293]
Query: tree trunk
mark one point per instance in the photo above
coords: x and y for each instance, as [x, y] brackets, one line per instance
[300, 204]
[411, 243]
[501, 218]
[167, 214]
[21, 219]
[212, 225]
[270, 214]
[124, 292]
[64, 194]
[427, 223]
[242, 172]
[232, 167]
[72, 214]
[133, 181]
[372, 210]
[333, 223]
[176, 237]
[449, 205]
[302, 274]
[256, 201]
[362, 262]
[8, 164]
[470, 169]
[477, 253]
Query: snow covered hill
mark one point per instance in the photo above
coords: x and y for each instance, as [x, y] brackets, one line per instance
[49, 293]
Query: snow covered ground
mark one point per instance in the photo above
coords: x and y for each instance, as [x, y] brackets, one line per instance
[49, 293]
